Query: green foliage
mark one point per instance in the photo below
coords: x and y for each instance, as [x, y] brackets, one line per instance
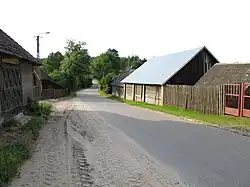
[76, 69]
[108, 62]
[15, 152]
[131, 62]
[105, 82]
[52, 63]
[11, 158]
[75, 65]
[34, 125]
[42, 109]
[72, 69]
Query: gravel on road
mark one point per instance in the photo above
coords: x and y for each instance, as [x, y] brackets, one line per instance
[78, 148]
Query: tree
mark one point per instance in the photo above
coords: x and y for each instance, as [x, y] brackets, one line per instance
[52, 63]
[105, 82]
[108, 62]
[131, 62]
[75, 65]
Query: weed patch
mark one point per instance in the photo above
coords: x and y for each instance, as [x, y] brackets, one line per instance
[17, 150]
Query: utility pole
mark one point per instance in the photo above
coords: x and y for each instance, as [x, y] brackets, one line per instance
[37, 46]
[38, 43]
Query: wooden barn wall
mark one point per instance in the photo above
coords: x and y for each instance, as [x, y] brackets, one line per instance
[52, 93]
[27, 81]
[139, 92]
[117, 91]
[129, 91]
[153, 94]
[47, 84]
[205, 99]
[194, 70]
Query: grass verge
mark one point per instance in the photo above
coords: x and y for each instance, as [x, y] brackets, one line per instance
[17, 149]
[238, 123]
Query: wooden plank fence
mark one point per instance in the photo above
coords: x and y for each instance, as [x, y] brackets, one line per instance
[205, 99]
[53, 93]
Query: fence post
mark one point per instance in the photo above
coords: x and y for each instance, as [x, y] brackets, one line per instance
[162, 95]
[241, 98]
[143, 92]
[133, 92]
[124, 91]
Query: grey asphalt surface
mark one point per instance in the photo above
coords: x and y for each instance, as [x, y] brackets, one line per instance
[202, 156]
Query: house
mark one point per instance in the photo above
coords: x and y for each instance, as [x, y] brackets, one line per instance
[16, 81]
[49, 88]
[226, 73]
[146, 83]
[116, 85]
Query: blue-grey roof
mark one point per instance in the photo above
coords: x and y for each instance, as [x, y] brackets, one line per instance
[160, 69]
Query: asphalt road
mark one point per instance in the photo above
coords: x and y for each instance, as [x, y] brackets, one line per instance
[202, 156]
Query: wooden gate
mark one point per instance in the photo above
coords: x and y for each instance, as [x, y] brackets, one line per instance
[246, 99]
[10, 87]
[233, 99]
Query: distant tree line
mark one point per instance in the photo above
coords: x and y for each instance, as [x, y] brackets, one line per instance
[76, 68]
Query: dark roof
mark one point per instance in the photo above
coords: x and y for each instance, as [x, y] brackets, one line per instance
[11, 47]
[159, 70]
[117, 79]
[45, 77]
[226, 74]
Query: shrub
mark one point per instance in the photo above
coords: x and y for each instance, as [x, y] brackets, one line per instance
[14, 153]
[34, 125]
[105, 82]
[11, 158]
[42, 109]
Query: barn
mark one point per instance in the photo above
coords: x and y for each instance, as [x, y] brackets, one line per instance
[146, 83]
[116, 85]
[226, 73]
[47, 87]
[16, 80]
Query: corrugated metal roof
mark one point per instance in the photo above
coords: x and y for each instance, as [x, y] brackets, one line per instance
[160, 69]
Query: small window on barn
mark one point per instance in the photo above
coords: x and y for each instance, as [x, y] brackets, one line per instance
[138, 90]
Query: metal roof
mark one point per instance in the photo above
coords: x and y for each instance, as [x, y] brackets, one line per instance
[160, 69]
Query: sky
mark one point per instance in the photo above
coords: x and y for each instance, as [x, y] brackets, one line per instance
[133, 27]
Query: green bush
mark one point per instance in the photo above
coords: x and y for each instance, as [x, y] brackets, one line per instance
[35, 125]
[16, 151]
[42, 109]
[105, 82]
[11, 158]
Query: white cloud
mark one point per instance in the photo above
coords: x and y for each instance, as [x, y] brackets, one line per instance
[143, 27]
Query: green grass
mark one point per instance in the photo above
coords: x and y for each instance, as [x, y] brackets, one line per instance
[239, 123]
[41, 109]
[11, 158]
[16, 151]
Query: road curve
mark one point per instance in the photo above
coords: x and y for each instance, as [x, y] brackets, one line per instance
[203, 156]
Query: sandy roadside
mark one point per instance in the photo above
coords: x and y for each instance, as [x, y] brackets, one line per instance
[81, 149]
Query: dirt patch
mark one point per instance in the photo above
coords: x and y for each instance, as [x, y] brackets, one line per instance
[78, 148]
[114, 158]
